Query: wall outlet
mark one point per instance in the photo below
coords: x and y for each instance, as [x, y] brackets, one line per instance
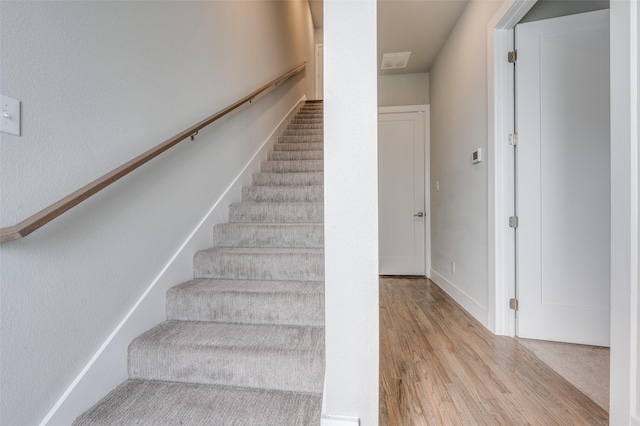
[476, 157]
[453, 267]
[437, 185]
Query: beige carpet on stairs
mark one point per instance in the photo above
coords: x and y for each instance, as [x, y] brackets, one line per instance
[586, 367]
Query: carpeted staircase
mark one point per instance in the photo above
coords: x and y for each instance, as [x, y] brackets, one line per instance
[243, 343]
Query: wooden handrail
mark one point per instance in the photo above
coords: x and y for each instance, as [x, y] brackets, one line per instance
[46, 215]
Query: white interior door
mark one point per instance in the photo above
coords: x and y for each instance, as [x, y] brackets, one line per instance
[563, 179]
[401, 192]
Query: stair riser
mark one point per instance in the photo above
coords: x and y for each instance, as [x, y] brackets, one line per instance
[305, 309]
[265, 369]
[264, 266]
[275, 194]
[274, 213]
[302, 138]
[303, 132]
[314, 146]
[309, 116]
[268, 235]
[292, 166]
[317, 126]
[288, 179]
[318, 121]
[295, 155]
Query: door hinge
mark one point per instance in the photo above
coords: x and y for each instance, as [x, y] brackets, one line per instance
[512, 57]
[513, 304]
[513, 222]
[513, 139]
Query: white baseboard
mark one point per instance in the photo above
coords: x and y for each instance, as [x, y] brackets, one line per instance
[468, 304]
[108, 367]
[331, 420]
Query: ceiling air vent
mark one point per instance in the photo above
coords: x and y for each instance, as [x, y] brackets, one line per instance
[392, 61]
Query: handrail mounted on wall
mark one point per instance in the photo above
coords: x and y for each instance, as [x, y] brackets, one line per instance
[46, 215]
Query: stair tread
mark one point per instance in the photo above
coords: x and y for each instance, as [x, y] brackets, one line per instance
[202, 334]
[248, 302]
[148, 403]
[300, 203]
[263, 250]
[212, 285]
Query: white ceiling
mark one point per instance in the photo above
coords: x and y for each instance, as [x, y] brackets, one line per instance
[417, 26]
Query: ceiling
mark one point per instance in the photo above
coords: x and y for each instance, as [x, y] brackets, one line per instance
[417, 26]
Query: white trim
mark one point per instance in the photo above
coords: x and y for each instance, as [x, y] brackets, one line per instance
[634, 15]
[319, 94]
[426, 109]
[108, 366]
[500, 163]
[331, 420]
[403, 108]
[467, 302]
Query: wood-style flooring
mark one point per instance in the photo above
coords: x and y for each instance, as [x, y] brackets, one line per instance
[439, 366]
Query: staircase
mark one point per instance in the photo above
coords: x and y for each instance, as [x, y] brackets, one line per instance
[243, 343]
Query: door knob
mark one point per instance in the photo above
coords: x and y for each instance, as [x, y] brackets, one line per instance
[419, 214]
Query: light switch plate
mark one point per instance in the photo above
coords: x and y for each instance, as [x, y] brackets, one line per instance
[9, 115]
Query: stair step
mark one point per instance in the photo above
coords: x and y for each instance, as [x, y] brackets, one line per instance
[307, 121]
[309, 116]
[306, 126]
[283, 194]
[277, 212]
[300, 138]
[280, 357]
[295, 155]
[248, 263]
[142, 402]
[303, 132]
[249, 302]
[296, 166]
[295, 179]
[301, 146]
[292, 235]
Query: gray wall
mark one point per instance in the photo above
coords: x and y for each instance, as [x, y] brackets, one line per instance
[101, 82]
[459, 222]
[545, 9]
[403, 89]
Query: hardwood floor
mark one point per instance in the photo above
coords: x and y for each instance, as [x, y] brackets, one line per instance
[439, 366]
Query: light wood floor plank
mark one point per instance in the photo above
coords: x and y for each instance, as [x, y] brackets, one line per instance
[439, 366]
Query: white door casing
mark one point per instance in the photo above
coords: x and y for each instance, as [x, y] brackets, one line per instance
[403, 206]
[563, 183]
[319, 71]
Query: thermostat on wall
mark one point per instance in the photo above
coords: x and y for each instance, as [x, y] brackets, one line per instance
[476, 157]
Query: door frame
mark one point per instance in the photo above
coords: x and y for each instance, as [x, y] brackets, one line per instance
[625, 360]
[319, 94]
[427, 175]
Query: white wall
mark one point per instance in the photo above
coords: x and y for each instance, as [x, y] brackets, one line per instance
[101, 82]
[458, 127]
[403, 89]
[351, 207]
